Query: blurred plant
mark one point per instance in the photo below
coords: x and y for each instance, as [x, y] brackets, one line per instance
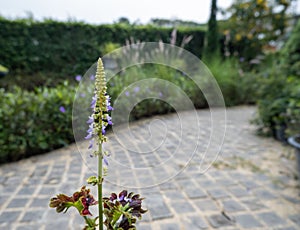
[293, 107]
[121, 212]
[157, 90]
[134, 49]
[109, 47]
[233, 83]
[35, 122]
[279, 91]
[290, 53]
[279, 106]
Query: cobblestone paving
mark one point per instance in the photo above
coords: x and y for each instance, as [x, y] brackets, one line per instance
[171, 161]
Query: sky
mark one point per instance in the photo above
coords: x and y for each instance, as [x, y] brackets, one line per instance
[109, 11]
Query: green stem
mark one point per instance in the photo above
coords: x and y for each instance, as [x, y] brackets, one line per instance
[87, 221]
[100, 206]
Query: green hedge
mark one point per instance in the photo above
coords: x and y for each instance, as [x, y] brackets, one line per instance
[69, 48]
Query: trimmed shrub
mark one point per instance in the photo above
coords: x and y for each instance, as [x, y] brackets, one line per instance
[35, 122]
[69, 48]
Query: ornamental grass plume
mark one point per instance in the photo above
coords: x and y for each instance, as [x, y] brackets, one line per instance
[120, 211]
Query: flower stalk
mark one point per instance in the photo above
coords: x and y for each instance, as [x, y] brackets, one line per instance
[100, 114]
[120, 212]
[100, 206]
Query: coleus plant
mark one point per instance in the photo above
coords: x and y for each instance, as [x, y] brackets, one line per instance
[121, 211]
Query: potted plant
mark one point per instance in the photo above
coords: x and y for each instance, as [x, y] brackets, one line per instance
[295, 142]
[293, 113]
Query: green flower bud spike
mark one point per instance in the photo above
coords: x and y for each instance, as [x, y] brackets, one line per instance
[100, 111]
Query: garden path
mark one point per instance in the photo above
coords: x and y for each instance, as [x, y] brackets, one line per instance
[251, 184]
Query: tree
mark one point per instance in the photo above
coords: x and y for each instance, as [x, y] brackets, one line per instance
[123, 20]
[212, 38]
[254, 25]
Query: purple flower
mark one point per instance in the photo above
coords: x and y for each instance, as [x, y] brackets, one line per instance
[91, 127]
[136, 89]
[105, 160]
[103, 129]
[109, 107]
[90, 131]
[92, 77]
[62, 109]
[127, 93]
[78, 78]
[90, 120]
[109, 120]
[91, 144]
[89, 136]
[93, 103]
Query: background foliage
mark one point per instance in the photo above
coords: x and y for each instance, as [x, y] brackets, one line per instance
[255, 25]
[43, 57]
[279, 91]
[68, 48]
[35, 122]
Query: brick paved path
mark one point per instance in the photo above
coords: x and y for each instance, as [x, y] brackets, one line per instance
[251, 185]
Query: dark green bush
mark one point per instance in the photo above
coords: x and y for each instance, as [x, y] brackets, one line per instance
[279, 93]
[68, 48]
[35, 122]
[291, 53]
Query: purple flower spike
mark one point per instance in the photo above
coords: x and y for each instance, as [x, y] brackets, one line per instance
[62, 109]
[78, 78]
